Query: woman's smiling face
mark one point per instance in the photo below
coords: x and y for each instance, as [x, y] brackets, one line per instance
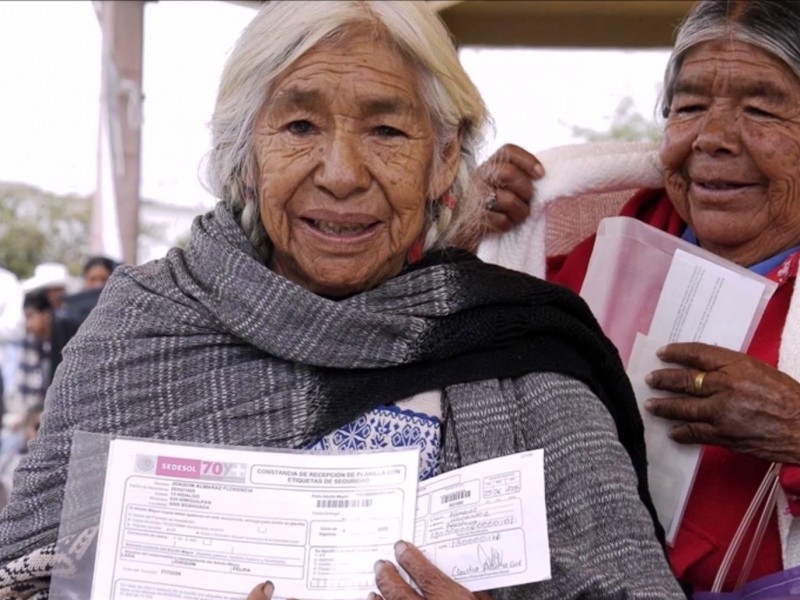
[731, 150]
[345, 148]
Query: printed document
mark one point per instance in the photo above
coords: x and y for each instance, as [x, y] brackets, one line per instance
[701, 301]
[671, 466]
[485, 525]
[185, 522]
[204, 523]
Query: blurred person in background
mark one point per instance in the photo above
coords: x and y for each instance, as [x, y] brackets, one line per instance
[96, 271]
[15, 445]
[44, 294]
[11, 331]
[35, 359]
[53, 278]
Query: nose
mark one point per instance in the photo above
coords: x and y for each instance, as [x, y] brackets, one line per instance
[719, 132]
[342, 170]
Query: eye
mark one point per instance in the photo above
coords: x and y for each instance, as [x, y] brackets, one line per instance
[687, 109]
[387, 131]
[757, 112]
[301, 127]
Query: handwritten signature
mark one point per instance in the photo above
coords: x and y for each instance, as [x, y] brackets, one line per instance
[489, 561]
[492, 560]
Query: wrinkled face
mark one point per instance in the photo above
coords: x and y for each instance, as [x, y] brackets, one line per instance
[731, 150]
[344, 148]
[95, 277]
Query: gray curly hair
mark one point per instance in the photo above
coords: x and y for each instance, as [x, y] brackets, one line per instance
[282, 32]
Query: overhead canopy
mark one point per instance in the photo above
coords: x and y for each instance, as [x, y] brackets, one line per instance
[559, 23]
[564, 23]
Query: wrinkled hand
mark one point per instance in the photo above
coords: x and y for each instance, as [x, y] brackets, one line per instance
[434, 584]
[743, 404]
[509, 174]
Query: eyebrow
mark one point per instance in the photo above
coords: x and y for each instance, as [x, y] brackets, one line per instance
[295, 98]
[755, 89]
[311, 99]
[386, 106]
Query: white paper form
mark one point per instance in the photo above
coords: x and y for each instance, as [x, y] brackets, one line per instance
[700, 301]
[703, 301]
[205, 523]
[671, 467]
[485, 525]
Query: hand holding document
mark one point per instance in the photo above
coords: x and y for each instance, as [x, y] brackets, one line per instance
[191, 522]
[485, 525]
[207, 523]
[647, 289]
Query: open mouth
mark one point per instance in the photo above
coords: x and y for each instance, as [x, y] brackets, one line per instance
[340, 229]
[721, 185]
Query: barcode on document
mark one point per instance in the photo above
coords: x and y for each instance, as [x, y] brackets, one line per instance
[344, 503]
[459, 495]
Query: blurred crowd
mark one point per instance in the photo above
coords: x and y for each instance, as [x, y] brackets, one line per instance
[38, 316]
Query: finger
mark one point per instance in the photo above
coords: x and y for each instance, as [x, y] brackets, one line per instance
[520, 158]
[374, 596]
[511, 206]
[497, 222]
[512, 178]
[685, 381]
[683, 408]
[391, 584]
[263, 591]
[504, 175]
[432, 582]
[695, 433]
[697, 355]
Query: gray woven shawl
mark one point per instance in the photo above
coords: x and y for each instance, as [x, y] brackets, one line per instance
[209, 345]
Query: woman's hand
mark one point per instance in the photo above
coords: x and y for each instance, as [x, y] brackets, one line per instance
[434, 584]
[507, 178]
[263, 591]
[740, 403]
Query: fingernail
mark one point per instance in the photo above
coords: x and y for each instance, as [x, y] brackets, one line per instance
[378, 566]
[648, 379]
[660, 352]
[649, 405]
[538, 170]
[372, 596]
[399, 548]
[268, 588]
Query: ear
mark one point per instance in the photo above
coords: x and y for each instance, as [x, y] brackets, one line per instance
[446, 167]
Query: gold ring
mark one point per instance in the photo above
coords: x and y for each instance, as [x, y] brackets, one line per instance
[698, 383]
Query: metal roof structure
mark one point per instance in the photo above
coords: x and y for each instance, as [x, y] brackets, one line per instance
[558, 23]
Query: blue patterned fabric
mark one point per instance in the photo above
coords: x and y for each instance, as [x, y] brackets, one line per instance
[389, 427]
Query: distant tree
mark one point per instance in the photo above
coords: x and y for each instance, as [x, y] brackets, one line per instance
[37, 226]
[626, 124]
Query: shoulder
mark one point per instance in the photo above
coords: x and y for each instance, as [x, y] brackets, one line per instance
[561, 408]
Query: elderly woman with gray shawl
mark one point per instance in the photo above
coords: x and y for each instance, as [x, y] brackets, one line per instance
[321, 305]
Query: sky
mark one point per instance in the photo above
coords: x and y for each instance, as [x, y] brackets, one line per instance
[50, 79]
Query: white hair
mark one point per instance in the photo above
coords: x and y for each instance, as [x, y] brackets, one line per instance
[281, 33]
